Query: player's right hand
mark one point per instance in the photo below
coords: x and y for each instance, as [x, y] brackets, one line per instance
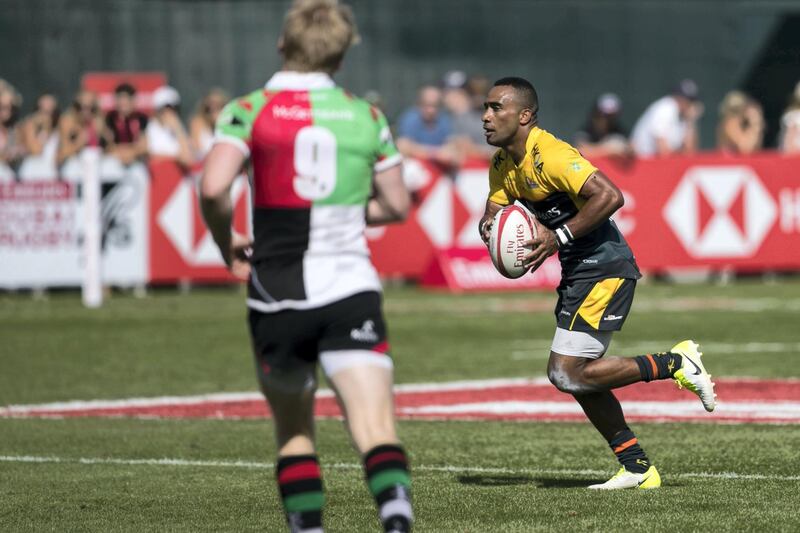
[239, 257]
[485, 229]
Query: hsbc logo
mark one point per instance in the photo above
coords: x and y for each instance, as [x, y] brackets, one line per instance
[182, 223]
[720, 211]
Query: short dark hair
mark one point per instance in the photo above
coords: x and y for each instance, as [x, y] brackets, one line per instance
[524, 89]
[126, 88]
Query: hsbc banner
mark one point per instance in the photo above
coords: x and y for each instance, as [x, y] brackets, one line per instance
[702, 211]
[181, 247]
[711, 211]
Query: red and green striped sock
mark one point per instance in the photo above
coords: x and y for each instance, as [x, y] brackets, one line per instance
[300, 483]
[389, 482]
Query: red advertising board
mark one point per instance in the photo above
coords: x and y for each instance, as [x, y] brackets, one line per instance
[181, 247]
[681, 212]
[711, 211]
[702, 211]
[104, 83]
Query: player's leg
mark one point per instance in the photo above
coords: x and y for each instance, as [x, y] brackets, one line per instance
[586, 314]
[284, 352]
[600, 405]
[356, 363]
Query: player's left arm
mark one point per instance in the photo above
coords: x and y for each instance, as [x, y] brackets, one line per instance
[603, 198]
[222, 165]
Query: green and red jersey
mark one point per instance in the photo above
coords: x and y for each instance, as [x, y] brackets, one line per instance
[313, 149]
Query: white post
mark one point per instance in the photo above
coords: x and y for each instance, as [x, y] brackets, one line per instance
[92, 233]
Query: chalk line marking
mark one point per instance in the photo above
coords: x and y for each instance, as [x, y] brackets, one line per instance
[257, 465]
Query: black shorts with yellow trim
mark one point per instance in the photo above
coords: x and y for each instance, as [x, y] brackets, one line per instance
[596, 305]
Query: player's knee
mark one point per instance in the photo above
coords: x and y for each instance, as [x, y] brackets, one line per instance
[569, 380]
[561, 380]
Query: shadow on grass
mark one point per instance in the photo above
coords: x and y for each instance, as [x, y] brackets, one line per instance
[495, 480]
[541, 482]
[561, 483]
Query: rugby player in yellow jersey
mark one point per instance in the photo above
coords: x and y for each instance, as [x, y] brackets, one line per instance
[572, 201]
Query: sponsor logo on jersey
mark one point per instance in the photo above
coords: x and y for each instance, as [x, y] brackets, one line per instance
[563, 312]
[590, 261]
[538, 164]
[298, 112]
[366, 333]
[530, 183]
[613, 317]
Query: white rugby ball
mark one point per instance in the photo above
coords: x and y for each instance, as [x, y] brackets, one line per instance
[511, 229]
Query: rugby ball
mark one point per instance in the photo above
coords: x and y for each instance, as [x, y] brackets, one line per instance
[511, 229]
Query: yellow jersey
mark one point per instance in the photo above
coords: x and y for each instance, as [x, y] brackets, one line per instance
[547, 182]
[550, 166]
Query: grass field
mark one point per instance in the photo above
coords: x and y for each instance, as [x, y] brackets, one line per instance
[132, 474]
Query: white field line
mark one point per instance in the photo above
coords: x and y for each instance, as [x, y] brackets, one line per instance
[256, 465]
[668, 410]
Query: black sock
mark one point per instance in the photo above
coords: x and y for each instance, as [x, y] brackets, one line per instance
[389, 482]
[658, 365]
[300, 483]
[626, 447]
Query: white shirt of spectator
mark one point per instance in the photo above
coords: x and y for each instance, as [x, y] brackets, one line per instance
[161, 141]
[661, 120]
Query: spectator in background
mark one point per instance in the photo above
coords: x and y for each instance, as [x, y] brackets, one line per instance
[11, 147]
[166, 136]
[424, 130]
[603, 135]
[741, 124]
[465, 103]
[40, 137]
[126, 126]
[201, 126]
[81, 126]
[790, 125]
[669, 125]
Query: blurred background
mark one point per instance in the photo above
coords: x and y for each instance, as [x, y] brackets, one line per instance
[144, 80]
[572, 50]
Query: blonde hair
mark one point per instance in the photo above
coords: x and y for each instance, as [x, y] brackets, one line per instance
[316, 35]
[733, 103]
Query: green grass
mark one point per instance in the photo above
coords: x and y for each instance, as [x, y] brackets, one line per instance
[469, 476]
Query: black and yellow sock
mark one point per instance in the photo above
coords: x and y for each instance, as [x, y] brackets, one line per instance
[658, 365]
[386, 467]
[626, 447]
[300, 483]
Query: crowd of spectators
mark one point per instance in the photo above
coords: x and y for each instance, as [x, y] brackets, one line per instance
[444, 126]
[44, 145]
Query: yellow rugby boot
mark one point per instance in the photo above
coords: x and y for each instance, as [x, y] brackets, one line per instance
[692, 374]
[628, 480]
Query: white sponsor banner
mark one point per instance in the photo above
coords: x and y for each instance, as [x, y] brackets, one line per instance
[41, 229]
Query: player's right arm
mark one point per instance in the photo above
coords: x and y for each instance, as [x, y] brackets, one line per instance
[223, 163]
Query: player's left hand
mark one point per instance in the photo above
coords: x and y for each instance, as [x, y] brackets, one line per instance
[543, 246]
